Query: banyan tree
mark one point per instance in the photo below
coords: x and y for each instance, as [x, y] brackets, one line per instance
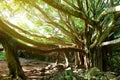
[81, 27]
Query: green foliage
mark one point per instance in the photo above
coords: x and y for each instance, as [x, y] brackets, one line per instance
[66, 75]
[95, 74]
[46, 59]
[92, 74]
[69, 75]
[2, 55]
[114, 62]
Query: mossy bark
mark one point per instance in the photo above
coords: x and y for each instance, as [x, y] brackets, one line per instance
[97, 58]
[15, 69]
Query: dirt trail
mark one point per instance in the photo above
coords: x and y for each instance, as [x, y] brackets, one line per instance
[34, 70]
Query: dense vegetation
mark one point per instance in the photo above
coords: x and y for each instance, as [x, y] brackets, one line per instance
[84, 31]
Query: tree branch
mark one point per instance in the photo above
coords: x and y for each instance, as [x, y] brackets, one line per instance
[53, 39]
[5, 28]
[50, 21]
[108, 11]
[38, 51]
[68, 10]
[106, 32]
[71, 4]
[80, 5]
[113, 42]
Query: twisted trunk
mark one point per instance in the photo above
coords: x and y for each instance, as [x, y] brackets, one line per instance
[15, 69]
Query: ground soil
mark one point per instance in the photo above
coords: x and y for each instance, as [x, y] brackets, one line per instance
[34, 69]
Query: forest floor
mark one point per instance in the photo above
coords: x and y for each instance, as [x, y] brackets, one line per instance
[40, 70]
[34, 69]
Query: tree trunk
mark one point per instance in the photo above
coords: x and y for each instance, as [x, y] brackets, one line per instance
[105, 58]
[97, 58]
[77, 60]
[15, 69]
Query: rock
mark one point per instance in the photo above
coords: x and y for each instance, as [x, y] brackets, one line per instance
[42, 70]
[48, 67]
[69, 68]
[34, 71]
[42, 74]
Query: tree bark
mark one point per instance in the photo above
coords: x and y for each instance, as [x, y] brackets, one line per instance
[15, 69]
[97, 57]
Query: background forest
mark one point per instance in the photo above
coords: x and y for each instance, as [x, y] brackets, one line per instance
[84, 33]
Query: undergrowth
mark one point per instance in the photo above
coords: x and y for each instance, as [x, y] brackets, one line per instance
[92, 74]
